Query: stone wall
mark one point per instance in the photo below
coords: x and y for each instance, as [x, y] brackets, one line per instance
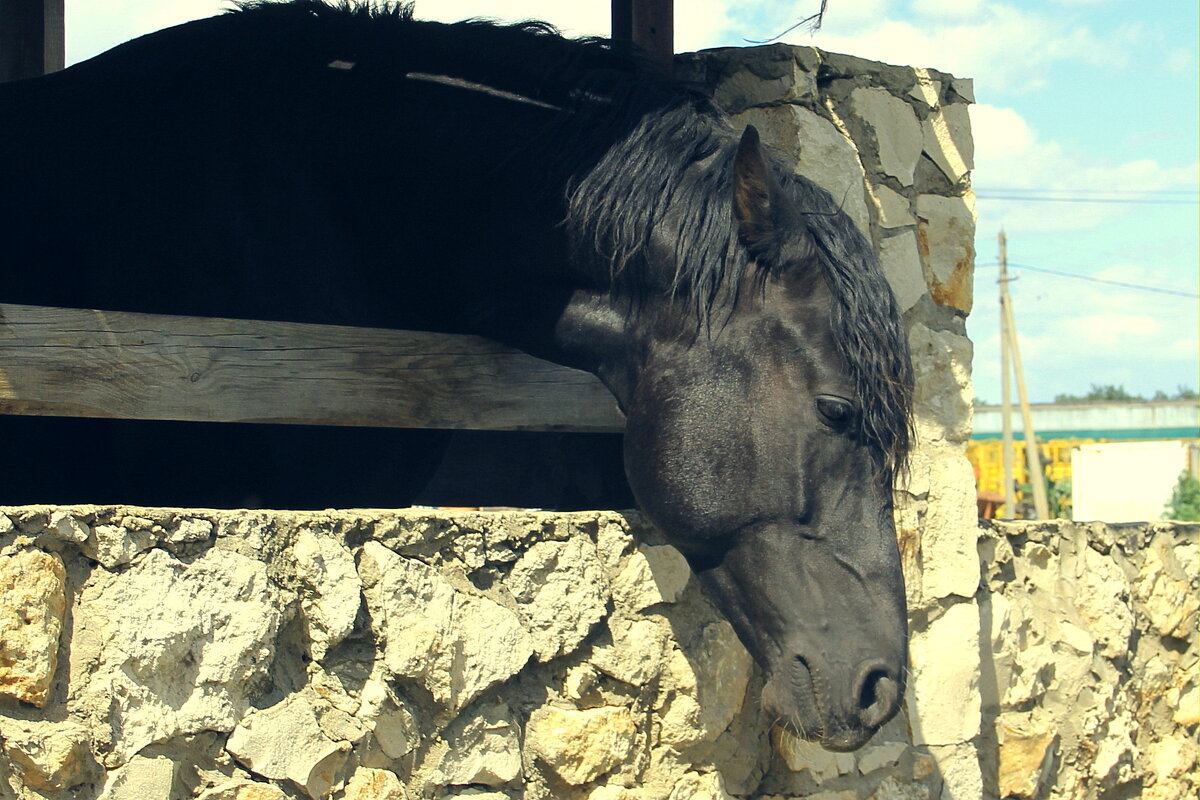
[252, 656]
[154, 653]
[1089, 681]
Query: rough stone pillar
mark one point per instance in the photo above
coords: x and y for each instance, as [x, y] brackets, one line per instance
[894, 145]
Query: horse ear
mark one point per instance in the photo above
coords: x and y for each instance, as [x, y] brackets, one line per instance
[761, 208]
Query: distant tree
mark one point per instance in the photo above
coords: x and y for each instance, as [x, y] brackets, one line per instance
[1100, 393]
[1108, 393]
[1185, 499]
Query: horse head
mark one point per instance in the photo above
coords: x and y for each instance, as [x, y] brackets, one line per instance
[749, 442]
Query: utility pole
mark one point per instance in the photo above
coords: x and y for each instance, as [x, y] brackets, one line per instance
[1008, 327]
[1010, 496]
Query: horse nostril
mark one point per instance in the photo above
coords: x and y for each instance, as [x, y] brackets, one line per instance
[878, 697]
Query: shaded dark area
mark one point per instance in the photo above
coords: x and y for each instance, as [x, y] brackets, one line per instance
[67, 461]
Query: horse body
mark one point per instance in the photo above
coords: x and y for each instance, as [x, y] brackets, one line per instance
[301, 163]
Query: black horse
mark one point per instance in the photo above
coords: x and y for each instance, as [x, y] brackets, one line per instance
[354, 166]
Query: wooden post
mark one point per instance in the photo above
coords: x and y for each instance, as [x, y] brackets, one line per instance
[1037, 478]
[32, 40]
[1010, 497]
[650, 24]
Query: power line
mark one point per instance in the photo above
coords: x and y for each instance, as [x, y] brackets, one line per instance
[1145, 201]
[1126, 196]
[1036, 190]
[1105, 281]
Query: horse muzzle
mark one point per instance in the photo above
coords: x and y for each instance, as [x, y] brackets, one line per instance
[838, 706]
[827, 625]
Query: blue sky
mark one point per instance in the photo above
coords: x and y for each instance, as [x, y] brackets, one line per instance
[1080, 103]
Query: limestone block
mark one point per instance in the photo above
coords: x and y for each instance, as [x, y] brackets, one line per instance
[942, 394]
[901, 262]
[1026, 752]
[891, 208]
[1113, 762]
[946, 239]
[332, 593]
[580, 745]
[614, 541]
[392, 719]
[285, 741]
[743, 77]
[927, 90]
[562, 591]
[167, 648]
[1187, 711]
[374, 784]
[814, 147]
[1188, 556]
[891, 789]
[947, 140]
[949, 552]
[241, 789]
[710, 675]
[1102, 598]
[141, 778]
[652, 574]
[635, 649]
[898, 79]
[964, 88]
[32, 604]
[801, 755]
[114, 545]
[475, 794]
[896, 132]
[944, 703]
[190, 529]
[482, 748]
[452, 640]
[700, 786]
[958, 766]
[48, 755]
[1164, 591]
[67, 528]
[878, 756]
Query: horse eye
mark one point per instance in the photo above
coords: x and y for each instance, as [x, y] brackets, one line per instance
[834, 410]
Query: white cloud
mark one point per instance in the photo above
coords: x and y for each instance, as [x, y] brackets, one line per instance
[1000, 132]
[93, 26]
[1010, 155]
[1008, 47]
[1075, 333]
[948, 9]
[696, 29]
[96, 25]
[1112, 328]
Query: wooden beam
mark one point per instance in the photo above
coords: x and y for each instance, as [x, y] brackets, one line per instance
[32, 39]
[650, 24]
[84, 363]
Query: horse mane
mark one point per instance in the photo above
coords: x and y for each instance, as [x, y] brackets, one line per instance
[629, 137]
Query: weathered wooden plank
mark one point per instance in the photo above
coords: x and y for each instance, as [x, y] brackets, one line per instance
[70, 362]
